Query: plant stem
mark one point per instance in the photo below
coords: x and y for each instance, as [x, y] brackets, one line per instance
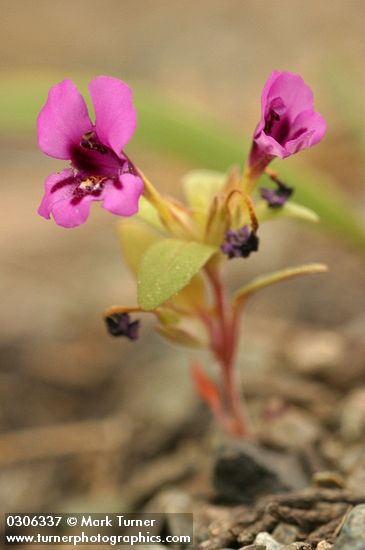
[224, 347]
[251, 174]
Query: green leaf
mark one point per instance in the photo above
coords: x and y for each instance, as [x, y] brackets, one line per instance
[192, 295]
[189, 333]
[289, 210]
[200, 186]
[276, 277]
[167, 267]
[135, 238]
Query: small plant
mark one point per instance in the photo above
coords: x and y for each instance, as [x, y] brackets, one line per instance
[176, 251]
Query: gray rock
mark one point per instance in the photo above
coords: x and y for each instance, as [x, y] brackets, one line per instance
[352, 421]
[298, 546]
[356, 478]
[245, 470]
[316, 352]
[285, 533]
[292, 429]
[267, 541]
[352, 536]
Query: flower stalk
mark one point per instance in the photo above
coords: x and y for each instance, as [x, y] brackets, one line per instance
[224, 348]
[177, 251]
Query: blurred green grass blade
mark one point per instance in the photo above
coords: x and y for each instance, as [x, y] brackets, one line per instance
[344, 85]
[321, 193]
[187, 135]
[178, 131]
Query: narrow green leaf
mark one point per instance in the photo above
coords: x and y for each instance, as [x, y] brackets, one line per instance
[289, 210]
[167, 267]
[276, 277]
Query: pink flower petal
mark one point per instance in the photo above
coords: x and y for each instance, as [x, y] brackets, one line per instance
[315, 126]
[69, 215]
[266, 145]
[297, 126]
[114, 111]
[63, 121]
[292, 90]
[123, 200]
[59, 192]
[265, 95]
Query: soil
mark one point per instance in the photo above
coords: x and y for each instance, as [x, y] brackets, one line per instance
[297, 478]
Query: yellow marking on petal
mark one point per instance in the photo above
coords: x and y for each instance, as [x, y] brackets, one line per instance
[85, 184]
[93, 183]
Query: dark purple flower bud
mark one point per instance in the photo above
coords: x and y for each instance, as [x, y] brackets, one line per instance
[119, 324]
[276, 198]
[240, 244]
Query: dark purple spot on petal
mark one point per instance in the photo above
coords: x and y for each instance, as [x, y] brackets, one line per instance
[60, 184]
[270, 121]
[281, 131]
[117, 184]
[76, 200]
[298, 133]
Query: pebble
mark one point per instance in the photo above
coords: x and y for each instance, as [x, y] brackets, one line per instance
[285, 533]
[314, 352]
[352, 536]
[292, 429]
[329, 480]
[352, 420]
[245, 470]
[324, 545]
[298, 546]
[267, 541]
[356, 481]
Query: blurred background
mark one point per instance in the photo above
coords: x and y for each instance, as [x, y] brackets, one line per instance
[70, 396]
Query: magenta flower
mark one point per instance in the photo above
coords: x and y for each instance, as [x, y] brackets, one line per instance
[99, 171]
[288, 121]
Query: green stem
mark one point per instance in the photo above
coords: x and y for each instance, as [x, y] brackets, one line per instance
[251, 174]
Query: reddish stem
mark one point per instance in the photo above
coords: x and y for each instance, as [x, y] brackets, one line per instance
[224, 343]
